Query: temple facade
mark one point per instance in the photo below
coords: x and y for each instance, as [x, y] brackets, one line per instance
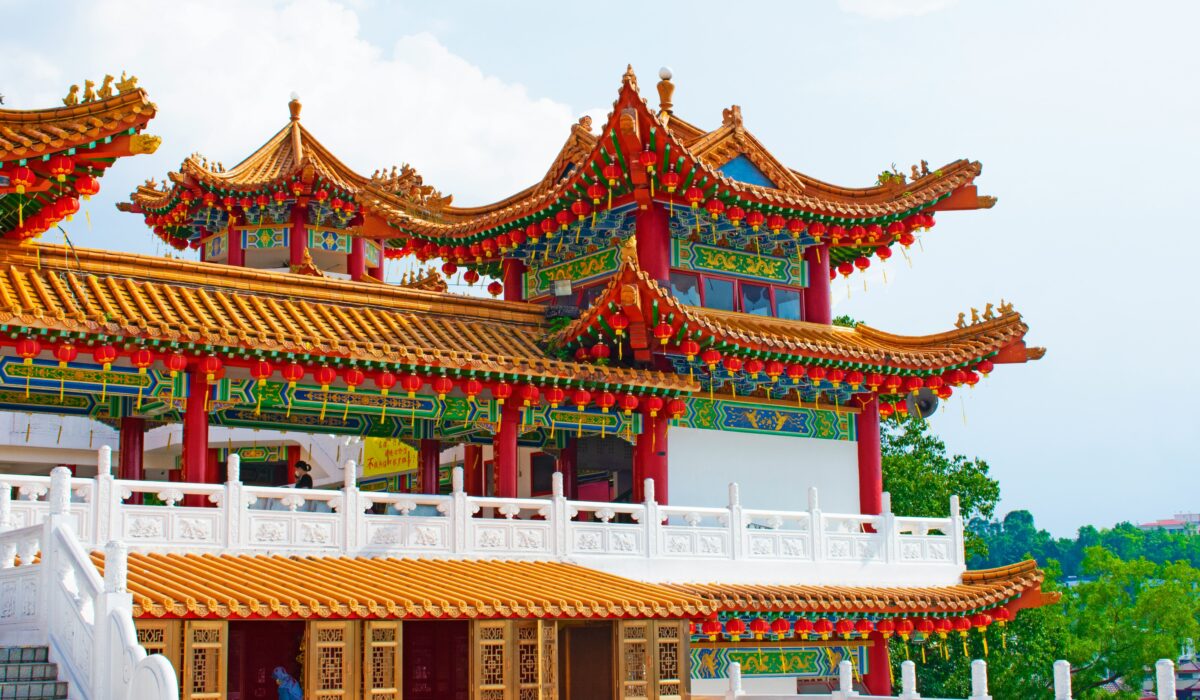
[638, 449]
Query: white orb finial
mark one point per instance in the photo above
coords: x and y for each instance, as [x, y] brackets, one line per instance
[664, 73]
[295, 95]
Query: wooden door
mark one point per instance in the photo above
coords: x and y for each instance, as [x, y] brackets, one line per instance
[329, 660]
[204, 659]
[492, 659]
[652, 659]
[162, 637]
[381, 660]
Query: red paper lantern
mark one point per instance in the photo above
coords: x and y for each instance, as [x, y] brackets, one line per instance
[652, 405]
[292, 373]
[648, 159]
[715, 207]
[663, 333]
[28, 348]
[449, 268]
[759, 627]
[735, 214]
[862, 262]
[354, 378]
[605, 400]
[753, 367]
[472, 388]
[495, 288]
[754, 219]
[904, 628]
[855, 379]
[442, 386]
[142, 358]
[690, 349]
[985, 367]
[64, 354]
[823, 627]
[776, 222]
[618, 322]
[816, 229]
[774, 369]
[600, 351]
[261, 370]
[710, 357]
[86, 186]
[385, 380]
[845, 627]
[795, 373]
[61, 166]
[735, 628]
[501, 391]
[105, 355]
[324, 376]
[883, 253]
[471, 277]
[913, 384]
[529, 394]
[676, 408]
[628, 403]
[864, 628]
[803, 627]
[816, 375]
[733, 364]
[554, 395]
[711, 629]
[845, 269]
[886, 627]
[211, 366]
[780, 627]
[21, 178]
[596, 192]
[886, 409]
[581, 398]
[612, 173]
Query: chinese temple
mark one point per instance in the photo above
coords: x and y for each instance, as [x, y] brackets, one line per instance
[658, 323]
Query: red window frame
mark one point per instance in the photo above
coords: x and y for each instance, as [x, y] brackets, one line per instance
[737, 290]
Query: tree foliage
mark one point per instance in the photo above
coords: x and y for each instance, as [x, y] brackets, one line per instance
[921, 476]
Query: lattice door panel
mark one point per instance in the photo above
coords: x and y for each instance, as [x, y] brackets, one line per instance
[329, 665]
[548, 631]
[162, 637]
[382, 651]
[670, 657]
[633, 655]
[493, 655]
[205, 643]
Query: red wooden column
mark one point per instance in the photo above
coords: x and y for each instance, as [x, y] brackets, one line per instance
[293, 456]
[504, 451]
[870, 460]
[473, 470]
[514, 279]
[356, 261]
[428, 462]
[237, 254]
[650, 458]
[568, 464]
[817, 307]
[132, 442]
[197, 468]
[878, 678]
[652, 226]
[298, 241]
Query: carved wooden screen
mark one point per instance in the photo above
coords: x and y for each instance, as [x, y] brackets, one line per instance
[549, 661]
[162, 637]
[671, 656]
[652, 659]
[381, 664]
[492, 659]
[633, 656]
[204, 655]
[329, 663]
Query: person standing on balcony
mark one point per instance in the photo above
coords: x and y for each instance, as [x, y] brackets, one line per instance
[303, 478]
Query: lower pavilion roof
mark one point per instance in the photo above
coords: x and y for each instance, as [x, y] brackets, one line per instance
[244, 586]
[1019, 585]
[144, 298]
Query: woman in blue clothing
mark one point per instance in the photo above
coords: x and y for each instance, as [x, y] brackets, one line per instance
[289, 688]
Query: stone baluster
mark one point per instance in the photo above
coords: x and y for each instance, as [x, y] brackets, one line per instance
[559, 515]
[908, 681]
[845, 681]
[234, 503]
[460, 512]
[1164, 675]
[979, 680]
[816, 526]
[60, 491]
[116, 567]
[737, 523]
[1062, 680]
[888, 530]
[352, 509]
[9, 552]
[105, 499]
[735, 681]
[653, 523]
[959, 535]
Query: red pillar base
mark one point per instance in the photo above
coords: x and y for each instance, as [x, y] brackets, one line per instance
[504, 451]
[650, 458]
[878, 678]
[428, 462]
[473, 470]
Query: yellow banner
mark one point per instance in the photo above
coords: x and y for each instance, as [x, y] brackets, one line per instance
[382, 456]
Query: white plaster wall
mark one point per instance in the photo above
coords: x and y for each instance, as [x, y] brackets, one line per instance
[773, 471]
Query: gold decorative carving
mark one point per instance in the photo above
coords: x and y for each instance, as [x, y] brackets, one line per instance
[406, 182]
[127, 84]
[89, 91]
[72, 97]
[106, 88]
[144, 143]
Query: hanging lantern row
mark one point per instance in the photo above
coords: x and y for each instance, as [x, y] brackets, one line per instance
[775, 369]
[325, 376]
[64, 203]
[917, 629]
[59, 209]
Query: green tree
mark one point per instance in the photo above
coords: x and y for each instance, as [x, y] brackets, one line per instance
[921, 477]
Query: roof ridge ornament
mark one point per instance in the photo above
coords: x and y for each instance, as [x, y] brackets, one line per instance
[666, 90]
[630, 78]
[732, 116]
[294, 107]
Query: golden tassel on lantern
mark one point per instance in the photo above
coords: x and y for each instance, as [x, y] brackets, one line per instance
[983, 635]
[324, 403]
[923, 661]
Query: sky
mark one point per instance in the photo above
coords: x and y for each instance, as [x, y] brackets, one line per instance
[1084, 113]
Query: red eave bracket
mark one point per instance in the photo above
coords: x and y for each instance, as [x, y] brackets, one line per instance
[965, 198]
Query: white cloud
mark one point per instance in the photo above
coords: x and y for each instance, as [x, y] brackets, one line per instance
[892, 9]
[221, 74]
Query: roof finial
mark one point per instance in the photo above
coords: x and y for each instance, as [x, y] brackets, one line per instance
[629, 77]
[294, 107]
[666, 89]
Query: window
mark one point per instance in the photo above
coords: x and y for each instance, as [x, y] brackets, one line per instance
[756, 299]
[787, 303]
[718, 294]
[686, 288]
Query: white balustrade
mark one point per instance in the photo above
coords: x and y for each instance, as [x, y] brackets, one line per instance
[645, 540]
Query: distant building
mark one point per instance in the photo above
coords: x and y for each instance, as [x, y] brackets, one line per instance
[1182, 522]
